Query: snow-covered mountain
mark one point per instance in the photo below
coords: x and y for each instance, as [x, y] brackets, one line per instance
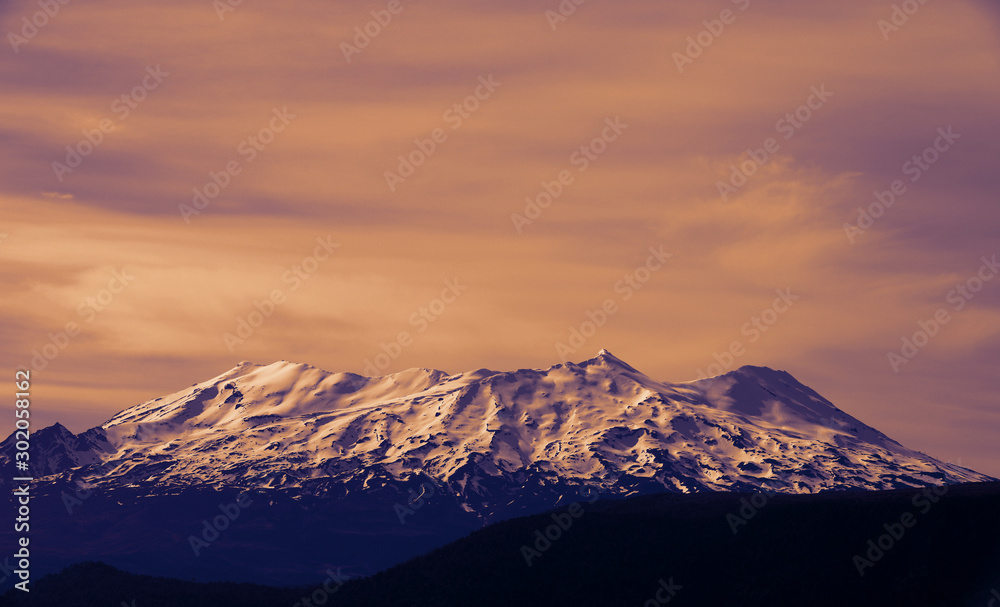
[56, 449]
[492, 440]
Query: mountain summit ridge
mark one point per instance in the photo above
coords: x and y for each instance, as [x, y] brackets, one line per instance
[491, 439]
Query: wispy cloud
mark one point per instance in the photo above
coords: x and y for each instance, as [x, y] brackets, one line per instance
[325, 174]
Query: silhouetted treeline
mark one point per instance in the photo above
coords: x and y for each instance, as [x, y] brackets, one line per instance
[901, 547]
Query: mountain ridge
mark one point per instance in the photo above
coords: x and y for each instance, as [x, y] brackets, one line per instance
[367, 472]
[482, 433]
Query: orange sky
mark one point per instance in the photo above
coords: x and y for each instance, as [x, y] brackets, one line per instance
[600, 119]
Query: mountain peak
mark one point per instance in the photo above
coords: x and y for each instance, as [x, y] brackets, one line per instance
[769, 376]
[56, 430]
[606, 357]
[761, 372]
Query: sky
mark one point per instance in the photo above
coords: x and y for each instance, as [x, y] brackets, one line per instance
[375, 186]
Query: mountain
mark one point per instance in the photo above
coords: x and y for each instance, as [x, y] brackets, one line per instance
[477, 447]
[483, 435]
[55, 449]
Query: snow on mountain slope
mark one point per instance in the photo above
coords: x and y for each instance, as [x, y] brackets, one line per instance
[486, 435]
[55, 449]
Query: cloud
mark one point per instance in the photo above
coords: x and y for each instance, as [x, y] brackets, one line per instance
[656, 184]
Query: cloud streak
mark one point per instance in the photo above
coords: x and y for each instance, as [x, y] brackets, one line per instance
[657, 184]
